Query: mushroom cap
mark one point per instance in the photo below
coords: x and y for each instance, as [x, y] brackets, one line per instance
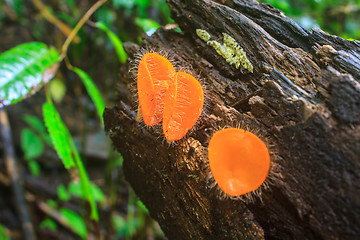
[155, 73]
[239, 161]
[183, 105]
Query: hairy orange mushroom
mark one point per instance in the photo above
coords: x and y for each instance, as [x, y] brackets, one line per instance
[155, 73]
[183, 105]
[239, 161]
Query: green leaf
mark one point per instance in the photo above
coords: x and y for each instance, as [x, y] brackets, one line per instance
[119, 225]
[62, 193]
[93, 91]
[72, 6]
[31, 144]
[106, 15]
[128, 4]
[148, 25]
[143, 6]
[57, 89]
[123, 227]
[142, 206]
[114, 163]
[38, 125]
[115, 41]
[59, 135]
[51, 203]
[35, 123]
[34, 168]
[3, 234]
[49, 224]
[66, 149]
[75, 222]
[22, 70]
[76, 190]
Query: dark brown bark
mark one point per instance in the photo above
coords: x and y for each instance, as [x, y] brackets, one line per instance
[304, 99]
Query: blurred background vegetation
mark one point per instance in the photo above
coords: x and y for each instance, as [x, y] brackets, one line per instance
[338, 17]
[49, 189]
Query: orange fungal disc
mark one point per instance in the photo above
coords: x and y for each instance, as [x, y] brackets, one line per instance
[155, 73]
[239, 161]
[183, 105]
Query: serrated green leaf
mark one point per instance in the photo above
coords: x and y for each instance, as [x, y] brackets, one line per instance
[59, 134]
[75, 222]
[86, 189]
[93, 91]
[22, 70]
[66, 149]
[31, 144]
[115, 41]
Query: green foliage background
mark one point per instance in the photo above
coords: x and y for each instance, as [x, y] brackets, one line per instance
[97, 56]
[338, 17]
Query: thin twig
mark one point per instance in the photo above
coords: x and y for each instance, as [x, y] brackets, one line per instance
[13, 173]
[79, 25]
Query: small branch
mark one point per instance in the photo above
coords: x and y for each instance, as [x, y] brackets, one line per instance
[13, 173]
[79, 25]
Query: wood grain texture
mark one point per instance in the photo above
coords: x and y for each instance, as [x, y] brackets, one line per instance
[304, 100]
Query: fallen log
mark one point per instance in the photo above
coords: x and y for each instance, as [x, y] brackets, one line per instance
[302, 97]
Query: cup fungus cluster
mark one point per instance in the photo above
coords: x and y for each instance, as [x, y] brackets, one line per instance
[239, 161]
[176, 98]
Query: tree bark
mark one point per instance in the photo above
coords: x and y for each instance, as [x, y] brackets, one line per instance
[303, 99]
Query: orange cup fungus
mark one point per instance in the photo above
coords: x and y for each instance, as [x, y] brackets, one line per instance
[183, 105]
[155, 73]
[239, 161]
[175, 98]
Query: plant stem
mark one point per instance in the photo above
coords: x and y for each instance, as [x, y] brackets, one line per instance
[78, 26]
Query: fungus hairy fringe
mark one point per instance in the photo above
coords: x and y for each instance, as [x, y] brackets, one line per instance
[137, 57]
[134, 64]
[273, 172]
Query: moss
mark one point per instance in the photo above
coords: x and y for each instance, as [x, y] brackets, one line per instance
[204, 35]
[230, 50]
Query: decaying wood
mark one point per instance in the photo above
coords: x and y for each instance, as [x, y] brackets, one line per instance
[303, 98]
